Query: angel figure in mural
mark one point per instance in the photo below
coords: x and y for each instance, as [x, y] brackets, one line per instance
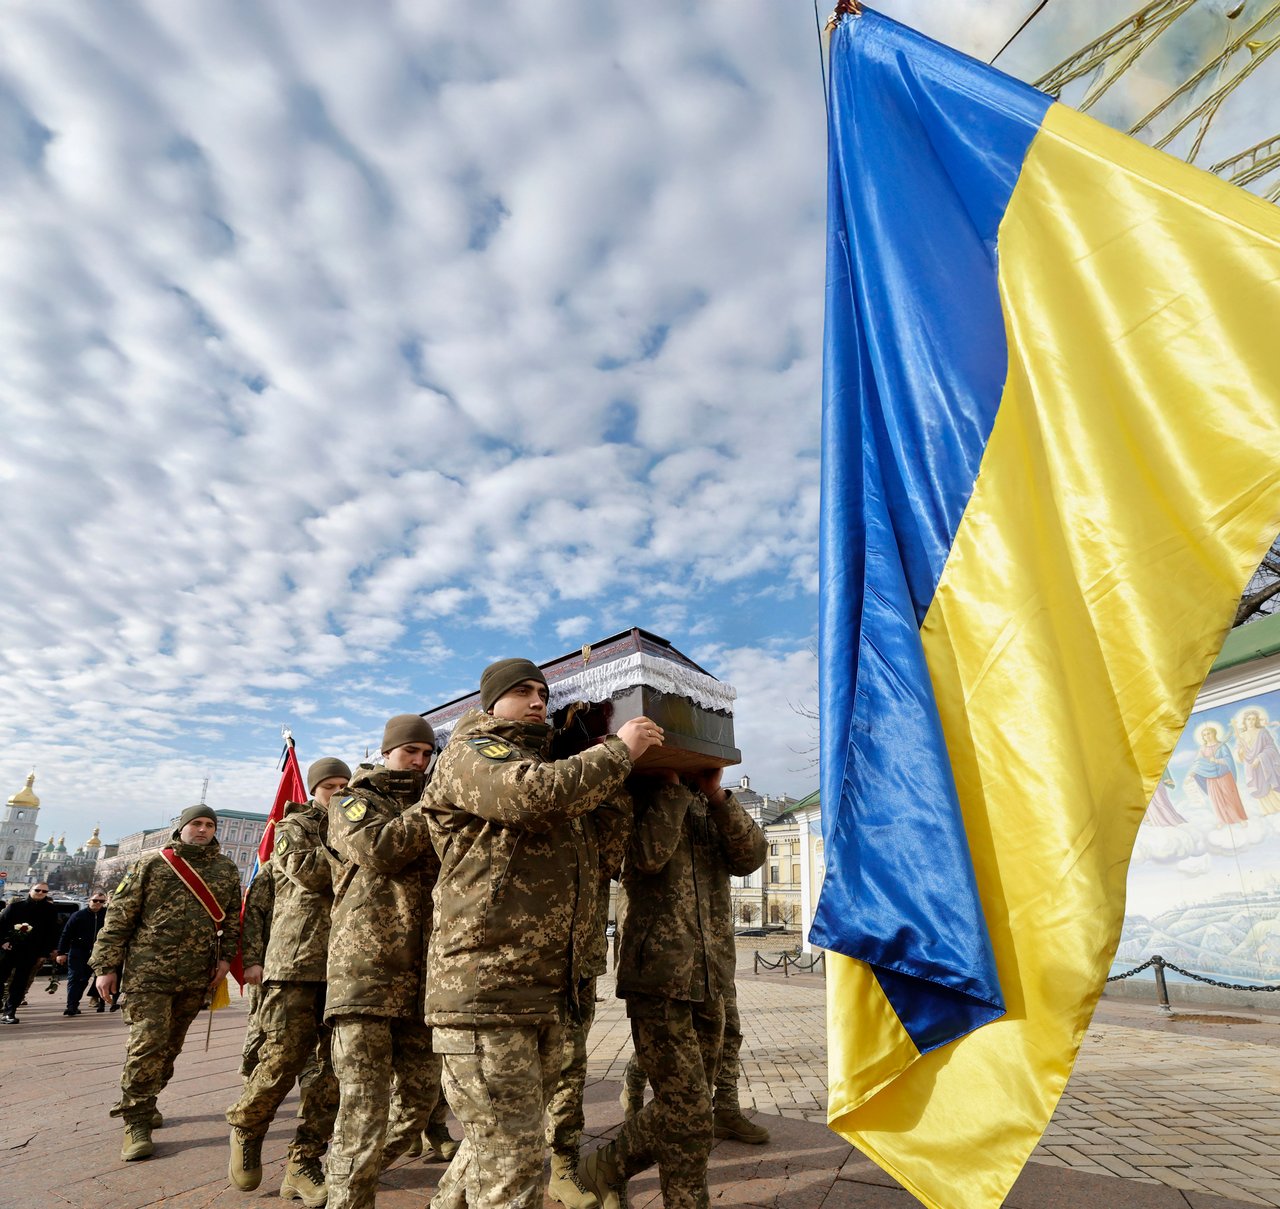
[1214, 771]
[1162, 812]
[1259, 756]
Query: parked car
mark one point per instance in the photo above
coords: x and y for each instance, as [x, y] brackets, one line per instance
[753, 931]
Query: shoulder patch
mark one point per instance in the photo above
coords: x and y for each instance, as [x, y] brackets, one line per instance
[354, 809]
[491, 749]
[282, 844]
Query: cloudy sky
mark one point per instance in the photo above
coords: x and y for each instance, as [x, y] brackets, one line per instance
[345, 348]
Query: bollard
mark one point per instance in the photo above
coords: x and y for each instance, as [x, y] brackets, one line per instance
[1162, 990]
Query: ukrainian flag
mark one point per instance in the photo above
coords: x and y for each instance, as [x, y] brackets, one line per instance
[1051, 441]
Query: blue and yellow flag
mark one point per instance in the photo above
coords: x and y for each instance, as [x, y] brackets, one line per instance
[1051, 444]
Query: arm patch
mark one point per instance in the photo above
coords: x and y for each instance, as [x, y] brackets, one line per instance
[491, 749]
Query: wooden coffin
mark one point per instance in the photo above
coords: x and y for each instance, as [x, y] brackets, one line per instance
[597, 688]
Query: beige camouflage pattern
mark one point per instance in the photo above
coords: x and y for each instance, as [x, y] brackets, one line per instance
[565, 1114]
[157, 929]
[516, 899]
[498, 1081]
[367, 1050]
[678, 1043]
[727, 1072]
[254, 1035]
[255, 925]
[294, 1042]
[158, 1024]
[381, 920]
[676, 964]
[400, 1130]
[304, 871]
[677, 934]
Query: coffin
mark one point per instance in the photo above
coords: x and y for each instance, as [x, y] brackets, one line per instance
[597, 688]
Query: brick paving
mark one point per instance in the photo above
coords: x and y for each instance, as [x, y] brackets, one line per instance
[1161, 1113]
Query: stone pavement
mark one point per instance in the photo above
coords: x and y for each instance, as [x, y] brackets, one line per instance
[1160, 1113]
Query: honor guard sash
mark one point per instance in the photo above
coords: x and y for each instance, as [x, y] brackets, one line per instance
[196, 884]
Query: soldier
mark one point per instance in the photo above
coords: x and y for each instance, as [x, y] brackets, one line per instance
[291, 1013]
[377, 954]
[676, 961]
[565, 1116]
[170, 921]
[515, 900]
[255, 932]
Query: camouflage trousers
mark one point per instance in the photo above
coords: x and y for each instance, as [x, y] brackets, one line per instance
[400, 1133]
[295, 1046]
[158, 1023]
[368, 1051]
[726, 1090]
[564, 1112]
[253, 1035]
[678, 1043]
[498, 1080]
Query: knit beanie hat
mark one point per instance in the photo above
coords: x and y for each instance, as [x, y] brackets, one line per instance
[323, 769]
[501, 677]
[198, 811]
[407, 728]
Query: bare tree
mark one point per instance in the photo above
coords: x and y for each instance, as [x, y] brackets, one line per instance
[1262, 596]
[747, 911]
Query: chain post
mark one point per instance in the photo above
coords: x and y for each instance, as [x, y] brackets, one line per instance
[1162, 989]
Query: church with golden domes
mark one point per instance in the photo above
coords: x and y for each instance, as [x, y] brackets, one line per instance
[24, 858]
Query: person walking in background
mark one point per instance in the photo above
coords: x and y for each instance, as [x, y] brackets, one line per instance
[75, 945]
[28, 934]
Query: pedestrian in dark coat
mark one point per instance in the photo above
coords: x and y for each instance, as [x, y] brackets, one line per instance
[78, 937]
[28, 934]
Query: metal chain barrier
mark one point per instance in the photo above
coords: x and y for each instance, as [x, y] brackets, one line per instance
[1159, 964]
[788, 961]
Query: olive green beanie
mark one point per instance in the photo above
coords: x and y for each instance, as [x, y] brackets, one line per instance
[198, 811]
[501, 677]
[407, 728]
[323, 769]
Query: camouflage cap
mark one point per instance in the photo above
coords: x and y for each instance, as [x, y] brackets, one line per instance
[501, 677]
[407, 728]
[323, 769]
[198, 811]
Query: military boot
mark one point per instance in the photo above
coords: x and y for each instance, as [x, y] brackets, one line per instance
[729, 1122]
[137, 1141]
[600, 1175]
[443, 1146]
[566, 1185]
[245, 1167]
[304, 1181]
[156, 1119]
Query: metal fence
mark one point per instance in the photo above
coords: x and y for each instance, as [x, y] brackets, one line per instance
[1158, 965]
[786, 961]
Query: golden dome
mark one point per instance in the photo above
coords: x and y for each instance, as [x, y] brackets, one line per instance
[93, 841]
[26, 796]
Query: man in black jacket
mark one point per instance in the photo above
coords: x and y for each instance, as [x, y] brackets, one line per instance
[75, 946]
[28, 933]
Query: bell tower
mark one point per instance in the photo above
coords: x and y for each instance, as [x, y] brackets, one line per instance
[18, 843]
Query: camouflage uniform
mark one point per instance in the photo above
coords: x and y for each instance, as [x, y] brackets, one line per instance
[169, 947]
[293, 990]
[255, 932]
[676, 963]
[515, 903]
[565, 1118]
[377, 954]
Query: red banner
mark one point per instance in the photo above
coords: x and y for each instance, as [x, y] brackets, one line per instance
[290, 789]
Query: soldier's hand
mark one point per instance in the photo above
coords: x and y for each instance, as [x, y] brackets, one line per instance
[639, 734]
[61, 959]
[253, 976]
[106, 984]
[707, 782]
[224, 968]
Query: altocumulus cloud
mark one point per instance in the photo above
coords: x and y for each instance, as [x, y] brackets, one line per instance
[344, 348]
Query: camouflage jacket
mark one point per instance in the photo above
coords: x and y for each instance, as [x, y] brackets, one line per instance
[520, 869]
[158, 931]
[304, 871]
[255, 922]
[381, 921]
[677, 934]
